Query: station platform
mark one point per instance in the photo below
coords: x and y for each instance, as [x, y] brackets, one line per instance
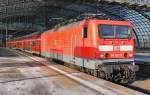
[27, 75]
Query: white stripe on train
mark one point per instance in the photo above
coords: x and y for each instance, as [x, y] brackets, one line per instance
[112, 48]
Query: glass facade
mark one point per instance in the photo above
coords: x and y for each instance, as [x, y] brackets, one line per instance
[140, 23]
[141, 2]
[21, 17]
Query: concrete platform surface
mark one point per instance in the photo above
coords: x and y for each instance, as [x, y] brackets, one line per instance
[20, 75]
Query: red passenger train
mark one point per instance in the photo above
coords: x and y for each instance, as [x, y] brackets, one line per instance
[29, 43]
[104, 48]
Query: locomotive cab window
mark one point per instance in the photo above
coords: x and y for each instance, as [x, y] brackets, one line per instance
[84, 32]
[114, 31]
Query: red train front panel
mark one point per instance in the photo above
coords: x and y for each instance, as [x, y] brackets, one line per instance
[115, 40]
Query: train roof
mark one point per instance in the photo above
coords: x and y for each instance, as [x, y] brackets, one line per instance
[86, 21]
[111, 22]
[35, 34]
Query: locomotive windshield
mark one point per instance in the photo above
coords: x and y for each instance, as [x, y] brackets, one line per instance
[112, 31]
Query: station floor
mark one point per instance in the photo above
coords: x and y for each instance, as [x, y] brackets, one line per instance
[20, 75]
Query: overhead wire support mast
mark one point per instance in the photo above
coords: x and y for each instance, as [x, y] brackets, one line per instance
[6, 28]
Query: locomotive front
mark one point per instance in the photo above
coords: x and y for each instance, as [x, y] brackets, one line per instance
[116, 51]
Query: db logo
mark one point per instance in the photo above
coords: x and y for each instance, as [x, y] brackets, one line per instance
[116, 48]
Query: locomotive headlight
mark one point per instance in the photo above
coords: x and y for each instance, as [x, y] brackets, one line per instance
[107, 55]
[102, 55]
[130, 55]
[125, 54]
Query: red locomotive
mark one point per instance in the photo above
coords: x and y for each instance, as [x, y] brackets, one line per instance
[104, 48]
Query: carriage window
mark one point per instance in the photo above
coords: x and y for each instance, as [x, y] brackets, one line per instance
[34, 43]
[84, 32]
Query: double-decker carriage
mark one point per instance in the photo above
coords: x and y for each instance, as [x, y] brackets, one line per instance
[29, 43]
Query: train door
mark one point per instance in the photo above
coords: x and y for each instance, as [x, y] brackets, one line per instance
[84, 37]
[79, 51]
[72, 44]
[59, 46]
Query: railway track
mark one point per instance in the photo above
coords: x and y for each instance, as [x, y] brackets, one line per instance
[136, 88]
[144, 69]
[140, 89]
[90, 85]
[143, 73]
[139, 74]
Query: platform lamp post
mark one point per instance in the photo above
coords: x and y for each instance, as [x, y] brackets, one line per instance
[1, 19]
[6, 33]
[1, 26]
[6, 28]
